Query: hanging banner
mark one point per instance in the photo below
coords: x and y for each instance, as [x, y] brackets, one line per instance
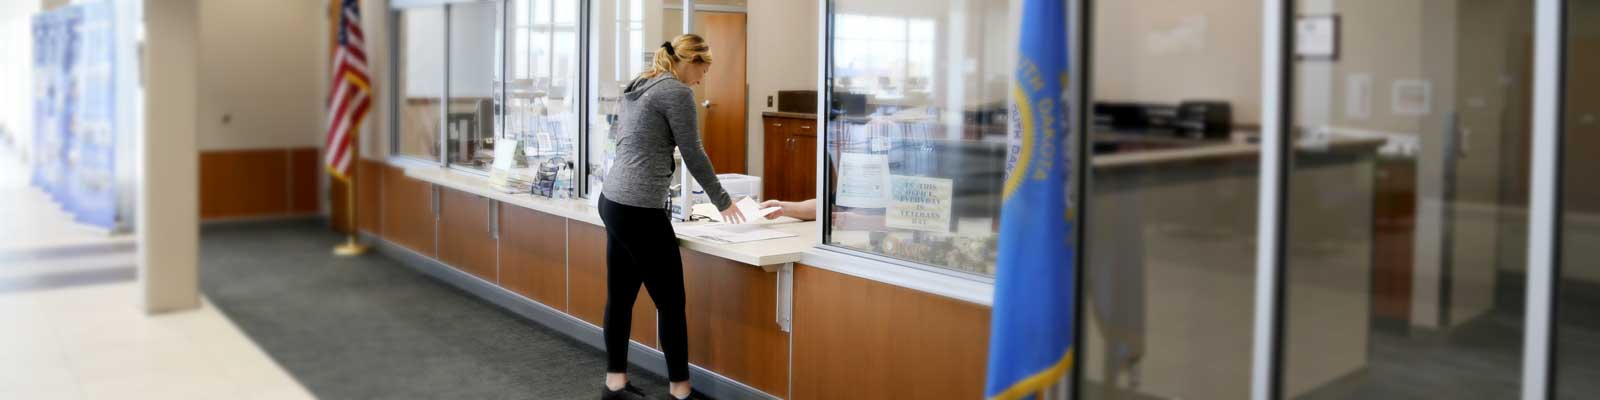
[75, 110]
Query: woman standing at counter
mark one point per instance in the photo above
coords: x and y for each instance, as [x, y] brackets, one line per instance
[658, 114]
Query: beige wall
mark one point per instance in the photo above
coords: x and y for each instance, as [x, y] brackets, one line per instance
[265, 65]
[1168, 51]
[783, 56]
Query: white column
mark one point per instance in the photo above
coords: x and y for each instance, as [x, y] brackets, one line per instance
[1269, 204]
[168, 194]
[688, 17]
[1544, 206]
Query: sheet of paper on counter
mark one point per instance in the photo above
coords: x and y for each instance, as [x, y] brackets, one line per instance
[752, 211]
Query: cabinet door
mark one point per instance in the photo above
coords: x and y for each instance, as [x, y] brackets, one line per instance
[775, 158]
[465, 241]
[803, 165]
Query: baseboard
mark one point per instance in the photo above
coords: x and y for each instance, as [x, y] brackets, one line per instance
[260, 219]
[639, 355]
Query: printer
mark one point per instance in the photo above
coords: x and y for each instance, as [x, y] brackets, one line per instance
[1204, 119]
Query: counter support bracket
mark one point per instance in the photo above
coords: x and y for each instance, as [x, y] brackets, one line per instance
[785, 295]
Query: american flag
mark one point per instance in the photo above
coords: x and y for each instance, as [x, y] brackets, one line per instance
[350, 95]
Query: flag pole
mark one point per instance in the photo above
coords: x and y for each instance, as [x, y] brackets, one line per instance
[351, 246]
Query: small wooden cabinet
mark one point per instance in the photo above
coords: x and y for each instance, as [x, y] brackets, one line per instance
[789, 167]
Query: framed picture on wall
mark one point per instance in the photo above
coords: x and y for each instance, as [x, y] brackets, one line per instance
[1316, 37]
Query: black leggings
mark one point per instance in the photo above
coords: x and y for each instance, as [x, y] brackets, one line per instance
[641, 248]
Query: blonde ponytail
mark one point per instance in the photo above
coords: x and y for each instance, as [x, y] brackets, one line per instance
[687, 47]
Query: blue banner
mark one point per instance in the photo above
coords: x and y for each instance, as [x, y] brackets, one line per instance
[1031, 332]
[75, 110]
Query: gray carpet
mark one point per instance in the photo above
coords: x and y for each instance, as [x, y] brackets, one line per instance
[370, 328]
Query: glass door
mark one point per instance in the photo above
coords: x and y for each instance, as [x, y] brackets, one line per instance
[1404, 255]
[1577, 328]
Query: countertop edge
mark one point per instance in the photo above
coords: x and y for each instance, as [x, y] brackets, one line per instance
[968, 290]
[479, 186]
[1226, 151]
[943, 285]
[787, 114]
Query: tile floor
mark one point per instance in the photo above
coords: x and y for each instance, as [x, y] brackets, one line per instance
[71, 327]
[30, 221]
[92, 342]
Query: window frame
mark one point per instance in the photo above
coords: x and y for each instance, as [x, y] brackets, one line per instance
[397, 52]
[497, 96]
[826, 136]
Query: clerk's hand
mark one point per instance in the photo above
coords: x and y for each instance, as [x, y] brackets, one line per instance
[774, 203]
[732, 215]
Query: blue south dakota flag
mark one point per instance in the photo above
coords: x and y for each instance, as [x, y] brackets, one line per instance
[1030, 346]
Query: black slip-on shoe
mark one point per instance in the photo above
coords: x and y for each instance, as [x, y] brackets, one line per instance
[627, 392]
[693, 395]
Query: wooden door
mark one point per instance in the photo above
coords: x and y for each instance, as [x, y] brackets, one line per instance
[775, 160]
[723, 106]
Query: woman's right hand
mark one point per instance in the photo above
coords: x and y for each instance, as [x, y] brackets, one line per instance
[732, 214]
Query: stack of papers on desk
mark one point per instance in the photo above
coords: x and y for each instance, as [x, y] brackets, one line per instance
[729, 233]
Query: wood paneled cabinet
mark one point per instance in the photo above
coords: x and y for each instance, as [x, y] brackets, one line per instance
[789, 167]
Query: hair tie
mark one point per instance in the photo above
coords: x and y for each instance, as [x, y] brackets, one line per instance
[668, 46]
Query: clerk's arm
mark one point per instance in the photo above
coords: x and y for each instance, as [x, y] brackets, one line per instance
[802, 210]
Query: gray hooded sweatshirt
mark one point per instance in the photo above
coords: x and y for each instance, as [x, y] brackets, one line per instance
[657, 115]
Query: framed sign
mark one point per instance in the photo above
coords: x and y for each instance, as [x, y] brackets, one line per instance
[1316, 37]
[1412, 97]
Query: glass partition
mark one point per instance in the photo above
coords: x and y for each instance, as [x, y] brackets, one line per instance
[620, 48]
[542, 89]
[1405, 247]
[1577, 325]
[1171, 226]
[472, 115]
[916, 136]
[420, 80]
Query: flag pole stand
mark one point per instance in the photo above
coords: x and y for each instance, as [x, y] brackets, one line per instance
[351, 246]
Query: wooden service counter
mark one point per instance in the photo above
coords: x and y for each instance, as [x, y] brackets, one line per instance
[786, 319]
[763, 321]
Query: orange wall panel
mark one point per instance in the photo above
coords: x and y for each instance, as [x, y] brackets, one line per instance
[259, 183]
[859, 339]
[305, 171]
[243, 183]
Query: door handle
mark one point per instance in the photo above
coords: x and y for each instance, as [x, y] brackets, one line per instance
[706, 104]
